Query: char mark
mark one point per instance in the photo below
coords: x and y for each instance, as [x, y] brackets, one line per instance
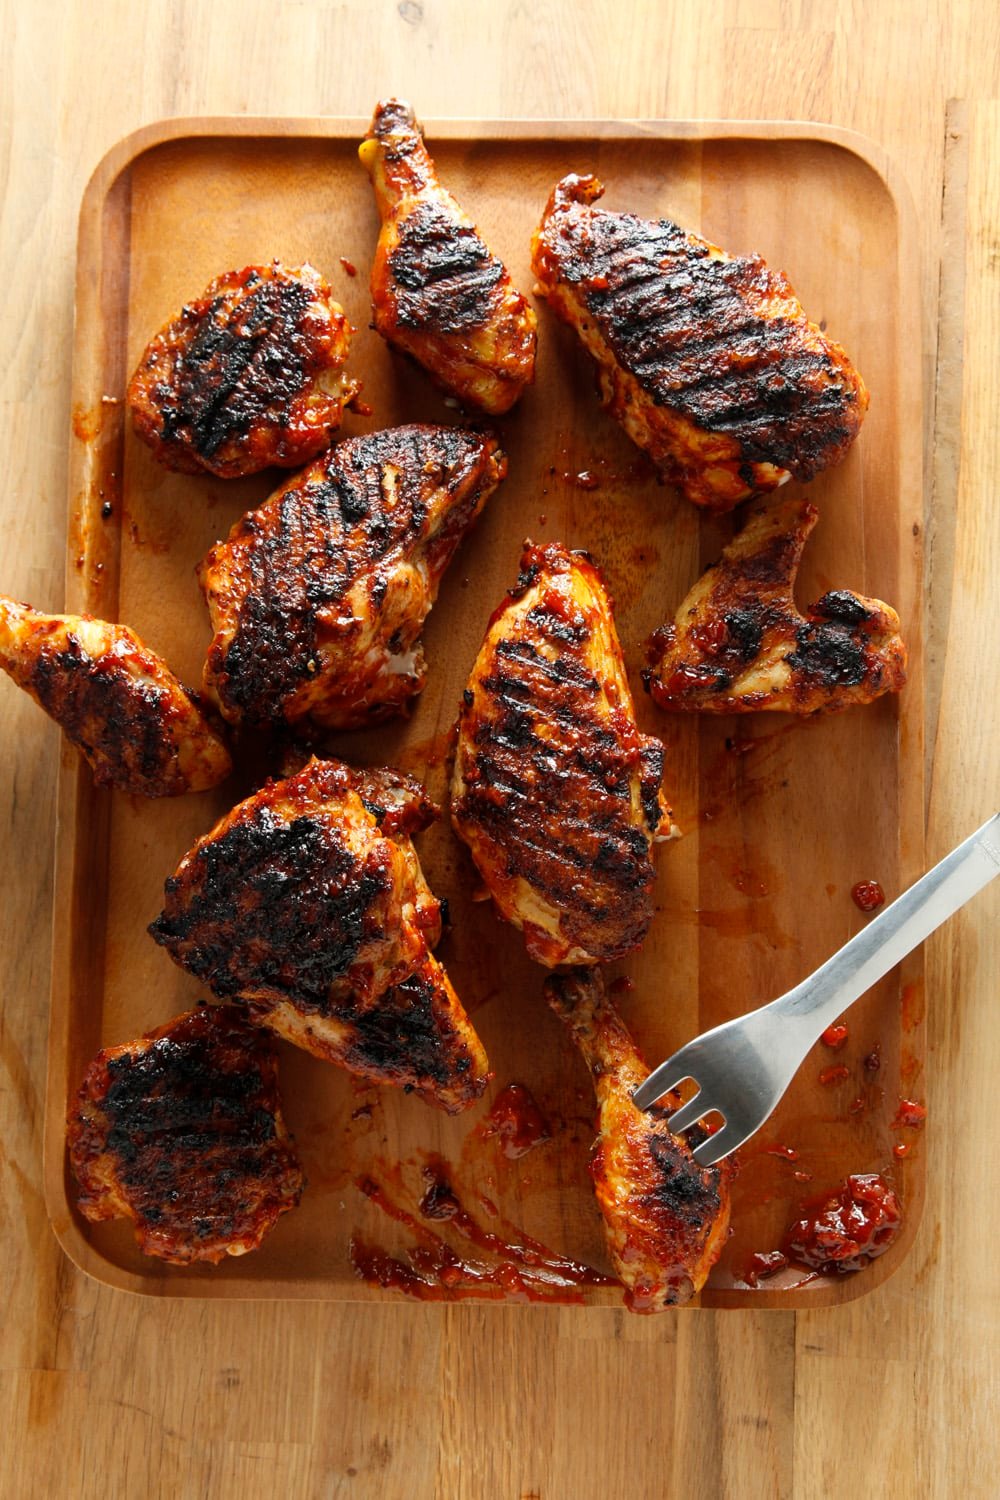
[444, 275]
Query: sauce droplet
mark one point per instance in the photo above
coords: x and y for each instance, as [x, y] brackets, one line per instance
[868, 895]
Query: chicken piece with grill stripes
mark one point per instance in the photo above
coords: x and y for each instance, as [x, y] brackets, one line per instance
[666, 1219]
[555, 791]
[706, 359]
[307, 903]
[115, 700]
[318, 597]
[248, 375]
[182, 1133]
[739, 643]
[438, 293]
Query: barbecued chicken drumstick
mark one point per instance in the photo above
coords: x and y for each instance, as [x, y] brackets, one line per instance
[555, 791]
[706, 359]
[307, 902]
[666, 1219]
[114, 699]
[318, 597]
[740, 644]
[438, 293]
[182, 1132]
[248, 375]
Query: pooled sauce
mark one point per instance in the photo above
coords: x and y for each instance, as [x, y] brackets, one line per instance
[844, 1230]
[516, 1121]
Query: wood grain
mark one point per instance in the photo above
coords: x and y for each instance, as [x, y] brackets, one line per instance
[104, 1394]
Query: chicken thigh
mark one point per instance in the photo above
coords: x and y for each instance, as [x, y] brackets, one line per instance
[666, 1219]
[438, 293]
[555, 791]
[706, 359]
[318, 597]
[115, 700]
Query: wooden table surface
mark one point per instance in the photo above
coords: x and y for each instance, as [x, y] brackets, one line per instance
[103, 1394]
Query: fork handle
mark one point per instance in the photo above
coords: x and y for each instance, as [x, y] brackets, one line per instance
[896, 931]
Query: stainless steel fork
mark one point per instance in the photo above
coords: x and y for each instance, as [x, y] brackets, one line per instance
[743, 1067]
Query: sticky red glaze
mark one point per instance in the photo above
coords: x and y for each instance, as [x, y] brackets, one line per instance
[909, 1115]
[762, 1264]
[867, 895]
[844, 1230]
[835, 1037]
[516, 1121]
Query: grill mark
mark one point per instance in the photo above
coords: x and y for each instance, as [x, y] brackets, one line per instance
[445, 276]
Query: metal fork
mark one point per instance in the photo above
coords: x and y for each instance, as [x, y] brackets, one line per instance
[743, 1067]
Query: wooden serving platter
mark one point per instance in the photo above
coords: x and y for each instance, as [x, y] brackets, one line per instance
[780, 817]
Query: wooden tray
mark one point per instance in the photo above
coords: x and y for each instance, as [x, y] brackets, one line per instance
[780, 817]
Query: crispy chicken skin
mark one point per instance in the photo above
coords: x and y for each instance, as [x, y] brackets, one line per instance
[739, 643]
[115, 700]
[318, 598]
[307, 902]
[666, 1219]
[182, 1132]
[248, 375]
[438, 293]
[706, 359]
[555, 791]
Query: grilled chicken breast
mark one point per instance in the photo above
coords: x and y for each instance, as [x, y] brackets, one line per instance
[739, 643]
[318, 597]
[666, 1219]
[706, 359]
[182, 1132]
[307, 902]
[555, 791]
[438, 292]
[115, 700]
[248, 375]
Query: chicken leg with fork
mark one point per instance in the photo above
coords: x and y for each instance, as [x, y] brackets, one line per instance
[665, 1218]
[114, 699]
[438, 292]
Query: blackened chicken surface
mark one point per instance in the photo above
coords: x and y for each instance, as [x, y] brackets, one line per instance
[182, 1132]
[115, 700]
[318, 598]
[666, 1219]
[438, 292]
[740, 644]
[248, 375]
[308, 903]
[555, 791]
[706, 359]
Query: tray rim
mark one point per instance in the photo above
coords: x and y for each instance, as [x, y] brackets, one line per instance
[74, 783]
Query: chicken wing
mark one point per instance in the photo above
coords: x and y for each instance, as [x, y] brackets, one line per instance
[555, 791]
[706, 359]
[182, 1132]
[666, 1219]
[115, 700]
[307, 902]
[317, 599]
[739, 643]
[438, 293]
[248, 375]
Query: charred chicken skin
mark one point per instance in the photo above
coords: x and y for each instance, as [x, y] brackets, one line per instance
[115, 700]
[666, 1219]
[182, 1132]
[555, 791]
[318, 598]
[248, 375]
[438, 292]
[307, 903]
[739, 643]
[706, 359]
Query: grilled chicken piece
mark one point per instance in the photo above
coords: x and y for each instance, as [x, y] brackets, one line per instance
[249, 375]
[182, 1132]
[438, 293]
[317, 599]
[706, 359]
[739, 643]
[666, 1219]
[555, 791]
[115, 700]
[307, 902]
